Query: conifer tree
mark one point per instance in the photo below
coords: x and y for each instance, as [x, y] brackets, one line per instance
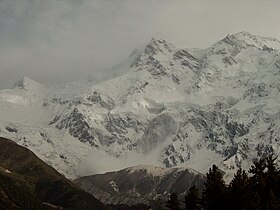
[258, 184]
[173, 202]
[273, 173]
[192, 199]
[239, 191]
[265, 183]
[272, 182]
[214, 192]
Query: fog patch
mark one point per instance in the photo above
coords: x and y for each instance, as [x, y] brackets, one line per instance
[99, 162]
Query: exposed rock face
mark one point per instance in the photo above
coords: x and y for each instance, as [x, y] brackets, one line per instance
[140, 184]
[77, 126]
[188, 107]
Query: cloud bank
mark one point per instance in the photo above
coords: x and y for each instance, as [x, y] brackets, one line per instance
[65, 40]
[98, 162]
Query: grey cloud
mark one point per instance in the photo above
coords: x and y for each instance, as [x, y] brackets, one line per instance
[65, 40]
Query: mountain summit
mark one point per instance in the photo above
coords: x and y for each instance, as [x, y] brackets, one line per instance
[168, 105]
[257, 41]
[26, 83]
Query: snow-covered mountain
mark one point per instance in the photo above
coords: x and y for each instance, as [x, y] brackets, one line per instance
[141, 184]
[178, 107]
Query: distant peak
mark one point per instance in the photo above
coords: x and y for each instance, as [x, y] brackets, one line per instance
[27, 83]
[242, 33]
[156, 41]
[244, 39]
[25, 78]
[159, 42]
[158, 45]
[247, 35]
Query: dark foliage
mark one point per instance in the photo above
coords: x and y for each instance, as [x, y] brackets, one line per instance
[239, 191]
[215, 188]
[265, 183]
[261, 191]
[173, 202]
[192, 199]
[126, 207]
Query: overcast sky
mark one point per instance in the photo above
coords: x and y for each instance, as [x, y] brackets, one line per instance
[64, 40]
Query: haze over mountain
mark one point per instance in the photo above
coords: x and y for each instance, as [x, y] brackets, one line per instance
[164, 105]
[58, 41]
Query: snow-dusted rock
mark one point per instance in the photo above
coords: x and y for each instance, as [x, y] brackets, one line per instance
[184, 107]
[141, 184]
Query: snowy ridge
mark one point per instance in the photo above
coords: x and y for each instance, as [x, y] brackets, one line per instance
[164, 105]
[149, 169]
[140, 184]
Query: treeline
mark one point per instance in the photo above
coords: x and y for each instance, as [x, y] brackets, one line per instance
[259, 191]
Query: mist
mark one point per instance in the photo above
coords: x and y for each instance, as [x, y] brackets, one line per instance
[99, 162]
[59, 41]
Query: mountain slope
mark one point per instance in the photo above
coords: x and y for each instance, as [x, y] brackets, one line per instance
[140, 184]
[27, 182]
[169, 106]
[15, 193]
